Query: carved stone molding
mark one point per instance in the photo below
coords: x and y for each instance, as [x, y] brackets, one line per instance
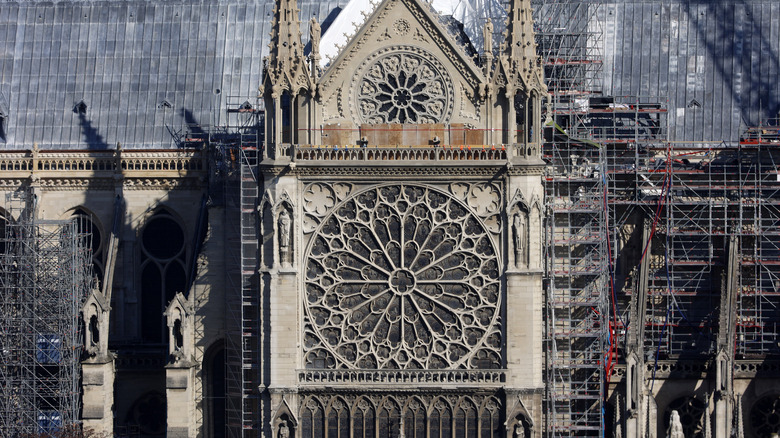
[533, 169]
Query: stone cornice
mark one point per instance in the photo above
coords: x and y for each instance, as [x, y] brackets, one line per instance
[534, 169]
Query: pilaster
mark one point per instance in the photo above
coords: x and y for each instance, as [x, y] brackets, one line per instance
[180, 402]
[98, 397]
[524, 292]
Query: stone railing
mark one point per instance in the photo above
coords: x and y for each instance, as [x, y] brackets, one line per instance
[402, 377]
[141, 358]
[14, 161]
[87, 163]
[692, 369]
[756, 368]
[401, 153]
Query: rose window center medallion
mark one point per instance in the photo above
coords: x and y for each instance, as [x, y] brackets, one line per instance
[402, 276]
[405, 85]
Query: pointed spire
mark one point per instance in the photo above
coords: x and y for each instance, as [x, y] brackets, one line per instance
[520, 40]
[520, 43]
[286, 62]
[286, 31]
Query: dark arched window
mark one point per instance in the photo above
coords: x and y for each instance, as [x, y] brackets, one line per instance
[765, 417]
[312, 420]
[466, 419]
[163, 259]
[149, 414]
[441, 420]
[691, 411]
[389, 420]
[414, 419]
[338, 419]
[490, 420]
[363, 419]
[93, 239]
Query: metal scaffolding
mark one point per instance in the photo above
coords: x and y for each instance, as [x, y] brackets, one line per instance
[592, 150]
[758, 299]
[576, 257]
[237, 145]
[569, 38]
[45, 276]
[714, 192]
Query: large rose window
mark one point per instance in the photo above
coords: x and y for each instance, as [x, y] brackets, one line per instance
[403, 87]
[402, 276]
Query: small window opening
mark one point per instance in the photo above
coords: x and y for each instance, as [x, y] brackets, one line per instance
[178, 336]
[80, 108]
[94, 330]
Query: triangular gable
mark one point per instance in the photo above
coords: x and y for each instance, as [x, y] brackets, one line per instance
[501, 75]
[375, 26]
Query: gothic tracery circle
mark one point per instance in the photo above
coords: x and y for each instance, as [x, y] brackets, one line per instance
[402, 276]
[403, 85]
[765, 416]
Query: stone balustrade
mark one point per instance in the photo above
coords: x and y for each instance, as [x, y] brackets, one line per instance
[64, 162]
[399, 153]
[330, 153]
[402, 377]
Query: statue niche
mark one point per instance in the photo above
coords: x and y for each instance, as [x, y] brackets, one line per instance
[284, 232]
[520, 235]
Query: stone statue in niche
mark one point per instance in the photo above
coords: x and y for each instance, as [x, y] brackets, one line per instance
[487, 36]
[284, 431]
[314, 36]
[675, 426]
[283, 225]
[520, 225]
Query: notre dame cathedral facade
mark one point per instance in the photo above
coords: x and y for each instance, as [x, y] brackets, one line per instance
[403, 272]
[368, 264]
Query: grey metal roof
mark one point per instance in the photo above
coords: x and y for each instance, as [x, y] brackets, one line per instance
[725, 55]
[123, 59]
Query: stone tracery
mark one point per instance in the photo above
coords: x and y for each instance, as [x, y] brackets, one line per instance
[404, 85]
[402, 276]
[412, 416]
